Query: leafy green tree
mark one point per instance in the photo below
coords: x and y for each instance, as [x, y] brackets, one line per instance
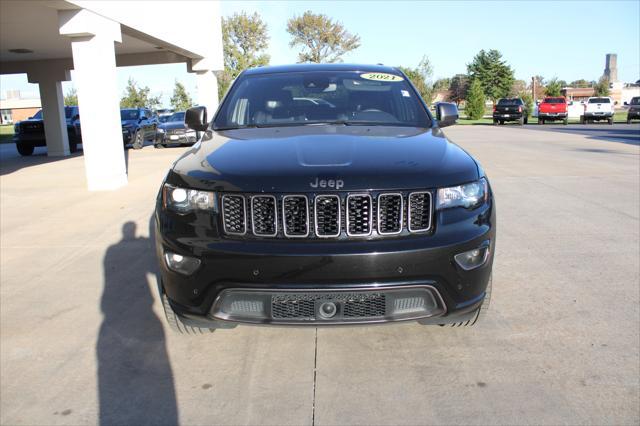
[71, 98]
[442, 84]
[321, 38]
[458, 88]
[475, 101]
[135, 97]
[528, 101]
[420, 77]
[493, 74]
[553, 87]
[180, 100]
[518, 87]
[602, 87]
[582, 83]
[244, 38]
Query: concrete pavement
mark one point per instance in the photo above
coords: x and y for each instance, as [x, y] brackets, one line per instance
[83, 338]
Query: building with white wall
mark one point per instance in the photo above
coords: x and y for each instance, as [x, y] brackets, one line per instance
[47, 39]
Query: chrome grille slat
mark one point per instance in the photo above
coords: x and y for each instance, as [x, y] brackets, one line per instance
[234, 214]
[325, 215]
[390, 213]
[359, 215]
[264, 216]
[420, 211]
[295, 216]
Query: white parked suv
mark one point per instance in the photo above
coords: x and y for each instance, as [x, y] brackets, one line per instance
[596, 109]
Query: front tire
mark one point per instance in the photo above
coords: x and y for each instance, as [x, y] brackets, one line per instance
[610, 121]
[521, 121]
[565, 121]
[138, 140]
[176, 324]
[25, 149]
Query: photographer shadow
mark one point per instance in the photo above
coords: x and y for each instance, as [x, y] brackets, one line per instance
[135, 379]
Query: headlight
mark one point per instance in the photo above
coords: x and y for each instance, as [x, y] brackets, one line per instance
[160, 130]
[468, 196]
[184, 200]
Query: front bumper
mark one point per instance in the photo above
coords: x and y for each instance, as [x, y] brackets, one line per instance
[633, 114]
[176, 139]
[360, 268]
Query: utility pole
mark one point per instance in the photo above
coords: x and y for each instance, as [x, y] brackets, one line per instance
[533, 88]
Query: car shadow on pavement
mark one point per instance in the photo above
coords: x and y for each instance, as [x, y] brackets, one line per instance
[135, 379]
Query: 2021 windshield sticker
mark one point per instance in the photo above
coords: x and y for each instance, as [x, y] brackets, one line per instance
[381, 76]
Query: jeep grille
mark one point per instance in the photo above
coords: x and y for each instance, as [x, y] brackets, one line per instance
[325, 216]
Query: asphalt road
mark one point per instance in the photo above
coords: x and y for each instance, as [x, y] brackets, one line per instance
[83, 340]
[623, 133]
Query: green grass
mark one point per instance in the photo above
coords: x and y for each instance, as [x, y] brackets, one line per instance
[618, 117]
[6, 133]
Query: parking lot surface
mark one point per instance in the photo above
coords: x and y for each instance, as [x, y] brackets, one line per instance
[83, 338]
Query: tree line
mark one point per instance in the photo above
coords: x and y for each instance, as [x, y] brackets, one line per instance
[321, 39]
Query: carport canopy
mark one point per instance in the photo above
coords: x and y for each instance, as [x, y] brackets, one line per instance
[47, 39]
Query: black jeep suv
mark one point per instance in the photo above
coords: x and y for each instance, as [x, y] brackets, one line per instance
[352, 211]
[29, 134]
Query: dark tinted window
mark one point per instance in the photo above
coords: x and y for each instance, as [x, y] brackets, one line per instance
[554, 101]
[303, 98]
[129, 114]
[635, 101]
[38, 115]
[507, 102]
[599, 101]
[178, 116]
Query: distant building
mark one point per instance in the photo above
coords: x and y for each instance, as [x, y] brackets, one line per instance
[15, 108]
[577, 93]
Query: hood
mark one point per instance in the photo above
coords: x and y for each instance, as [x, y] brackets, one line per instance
[314, 158]
[171, 125]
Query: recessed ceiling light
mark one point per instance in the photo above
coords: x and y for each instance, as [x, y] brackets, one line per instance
[20, 50]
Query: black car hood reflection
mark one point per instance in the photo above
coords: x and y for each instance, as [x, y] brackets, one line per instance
[296, 159]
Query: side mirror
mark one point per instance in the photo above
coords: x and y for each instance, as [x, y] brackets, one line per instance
[196, 118]
[446, 113]
[626, 103]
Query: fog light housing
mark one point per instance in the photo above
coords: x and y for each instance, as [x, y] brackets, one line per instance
[185, 265]
[473, 259]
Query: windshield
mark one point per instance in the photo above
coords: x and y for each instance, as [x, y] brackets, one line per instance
[635, 101]
[554, 101]
[599, 100]
[38, 115]
[305, 98]
[178, 116]
[506, 102]
[129, 114]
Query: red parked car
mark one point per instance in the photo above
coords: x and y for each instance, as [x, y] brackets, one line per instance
[552, 109]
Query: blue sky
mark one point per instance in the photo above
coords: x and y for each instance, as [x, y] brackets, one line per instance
[567, 39]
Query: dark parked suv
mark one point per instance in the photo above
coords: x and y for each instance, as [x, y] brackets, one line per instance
[354, 211]
[138, 125]
[510, 110]
[28, 134]
[634, 109]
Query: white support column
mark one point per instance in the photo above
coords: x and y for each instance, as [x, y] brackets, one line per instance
[92, 44]
[207, 86]
[55, 124]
